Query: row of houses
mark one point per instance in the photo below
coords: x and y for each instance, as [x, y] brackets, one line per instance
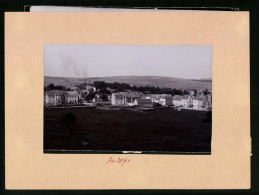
[130, 98]
[72, 94]
[190, 101]
[58, 97]
[140, 99]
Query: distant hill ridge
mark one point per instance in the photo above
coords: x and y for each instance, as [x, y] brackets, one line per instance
[157, 81]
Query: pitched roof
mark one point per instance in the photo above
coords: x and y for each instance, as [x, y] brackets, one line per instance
[144, 101]
[74, 87]
[133, 94]
[72, 92]
[185, 97]
[200, 98]
[84, 91]
[155, 96]
[89, 86]
[166, 95]
[118, 95]
[177, 97]
[128, 94]
[55, 92]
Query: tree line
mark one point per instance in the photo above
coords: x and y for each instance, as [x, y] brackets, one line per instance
[102, 86]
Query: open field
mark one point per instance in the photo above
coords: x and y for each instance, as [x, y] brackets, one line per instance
[165, 130]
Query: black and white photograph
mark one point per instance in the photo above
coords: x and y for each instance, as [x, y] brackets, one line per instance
[128, 98]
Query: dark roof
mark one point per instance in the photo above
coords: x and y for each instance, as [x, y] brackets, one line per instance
[144, 101]
[118, 95]
[55, 92]
[200, 98]
[72, 92]
[166, 95]
[133, 94]
[155, 96]
[128, 94]
[185, 97]
[177, 97]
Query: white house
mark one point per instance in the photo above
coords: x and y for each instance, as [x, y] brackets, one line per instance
[55, 97]
[72, 96]
[177, 100]
[90, 88]
[154, 97]
[166, 100]
[130, 97]
[125, 98]
[163, 99]
[187, 101]
[198, 102]
[117, 99]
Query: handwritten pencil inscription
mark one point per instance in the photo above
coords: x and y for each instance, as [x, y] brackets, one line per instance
[118, 160]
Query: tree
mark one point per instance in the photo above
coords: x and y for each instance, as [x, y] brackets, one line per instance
[104, 91]
[51, 86]
[195, 92]
[99, 84]
[104, 97]
[185, 92]
[59, 87]
[89, 96]
[205, 92]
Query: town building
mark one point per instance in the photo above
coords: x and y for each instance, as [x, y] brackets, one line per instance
[163, 99]
[125, 98]
[154, 97]
[59, 97]
[109, 96]
[90, 88]
[166, 100]
[117, 99]
[208, 101]
[177, 100]
[199, 102]
[55, 97]
[72, 96]
[195, 102]
[73, 88]
[187, 101]
[147, 103]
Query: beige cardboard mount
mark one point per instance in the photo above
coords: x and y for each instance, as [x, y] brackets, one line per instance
[27, 167]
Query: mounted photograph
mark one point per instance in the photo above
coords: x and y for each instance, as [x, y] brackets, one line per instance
[127, 99]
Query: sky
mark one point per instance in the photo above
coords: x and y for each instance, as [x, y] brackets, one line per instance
[189, 62]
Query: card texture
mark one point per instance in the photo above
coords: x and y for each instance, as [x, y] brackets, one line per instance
[27, 167]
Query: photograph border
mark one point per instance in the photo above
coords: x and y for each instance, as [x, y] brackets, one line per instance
[137, 152]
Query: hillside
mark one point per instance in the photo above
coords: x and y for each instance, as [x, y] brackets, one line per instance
[156, 81]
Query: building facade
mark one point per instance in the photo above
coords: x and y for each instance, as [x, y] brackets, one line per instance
[59, 97]
[55, 97]
[147, 103]
[195, 102]
[125, 98]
